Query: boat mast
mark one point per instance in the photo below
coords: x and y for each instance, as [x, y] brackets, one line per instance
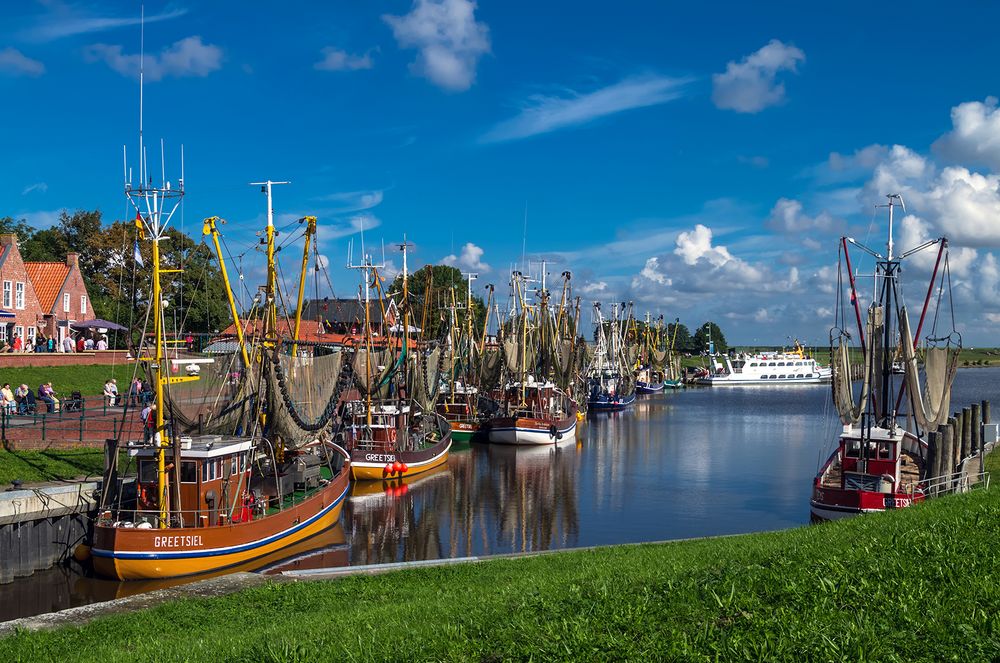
[309, 234]
[890, 274]
[270, 335]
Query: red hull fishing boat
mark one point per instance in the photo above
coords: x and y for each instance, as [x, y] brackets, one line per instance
[878, 464]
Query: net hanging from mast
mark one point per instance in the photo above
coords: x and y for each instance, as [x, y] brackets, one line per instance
[930, 403]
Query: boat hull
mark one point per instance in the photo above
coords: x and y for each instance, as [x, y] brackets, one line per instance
[532, 432]
[649, 387]
[830, 504]
[369, 465]
[602, 405]
[148, 554]
[739, 382]
[463, 431]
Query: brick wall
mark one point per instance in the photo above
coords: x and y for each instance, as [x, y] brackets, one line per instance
[105, 358]
[12, 270]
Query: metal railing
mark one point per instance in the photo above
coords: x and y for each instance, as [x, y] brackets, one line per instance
[71, 421]
[955, 482]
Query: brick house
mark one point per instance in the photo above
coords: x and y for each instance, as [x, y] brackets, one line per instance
[62, 295]
[39, 297]
[20, 312]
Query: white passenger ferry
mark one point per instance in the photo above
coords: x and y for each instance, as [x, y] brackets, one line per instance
[765, 368]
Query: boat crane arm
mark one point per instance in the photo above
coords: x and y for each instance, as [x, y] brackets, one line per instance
[927, 244]
[310, 222]
[210, 228]
[874, 254]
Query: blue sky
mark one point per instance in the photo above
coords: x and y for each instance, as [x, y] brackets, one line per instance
[701, 161]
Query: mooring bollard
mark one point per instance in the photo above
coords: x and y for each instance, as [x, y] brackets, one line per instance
[986, 412]
[956, 439]
[977, 429]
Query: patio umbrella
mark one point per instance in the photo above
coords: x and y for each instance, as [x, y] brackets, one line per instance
[98, 324]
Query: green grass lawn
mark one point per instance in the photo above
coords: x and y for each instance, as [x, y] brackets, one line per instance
[88, 380]
[35, 466]
[919, 584]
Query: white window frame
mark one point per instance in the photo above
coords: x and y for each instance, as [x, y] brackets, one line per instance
[66, 301]
[32, 334]
[3, 332]
[8, 294]
[83, 304]
[19, 295]
[19, 332]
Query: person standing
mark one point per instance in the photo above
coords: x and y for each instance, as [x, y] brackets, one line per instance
[7, 400]
[18, 343]
[50, 345]
[102, 343]
[81, 343]
[67, 343]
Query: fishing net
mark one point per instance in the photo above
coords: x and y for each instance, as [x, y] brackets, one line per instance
[372, 371]
[304, 393]
[425, 376]
[930, 402]
[843, 388]
[219, 401]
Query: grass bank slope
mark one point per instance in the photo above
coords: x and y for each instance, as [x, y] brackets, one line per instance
[919, 584]
[88, 380]
[56, 465]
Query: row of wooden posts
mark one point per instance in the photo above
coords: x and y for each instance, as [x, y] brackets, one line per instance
[954, 442]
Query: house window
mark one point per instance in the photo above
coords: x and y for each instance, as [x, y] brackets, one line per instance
[66, 302]
[83, 304]
[3, 332]
[32, 331]
[8, 289]
[19, 332]
[19, 296]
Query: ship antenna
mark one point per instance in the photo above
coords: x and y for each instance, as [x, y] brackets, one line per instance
[142, 50]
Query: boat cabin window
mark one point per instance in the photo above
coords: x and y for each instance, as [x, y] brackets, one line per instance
[852, 449]
[147, 471]
[885, 450]
[189, 471]
[208, 472]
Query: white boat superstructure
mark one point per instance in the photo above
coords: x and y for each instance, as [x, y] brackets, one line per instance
[766, 368]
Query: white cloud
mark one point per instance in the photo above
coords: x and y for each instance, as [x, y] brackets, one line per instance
[542, 114]
[16, 63]
[449, 39]
[353, 201]
[336, 228]
[188, 57]
[975, 134]
[335, 59]
[471, 258]
[787, 217]
[66, 21]
[653, 272]
[751, 85]
[593, 287]
[40, 187]
[695, 245]
[42, 218]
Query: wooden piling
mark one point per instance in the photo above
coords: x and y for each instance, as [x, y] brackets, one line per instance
[966, 432]
[977, 429]
[956, 439]
[932, 465]
[947, 451]
[986, 412]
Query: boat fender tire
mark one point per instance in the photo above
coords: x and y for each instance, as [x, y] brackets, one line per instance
[554, 432]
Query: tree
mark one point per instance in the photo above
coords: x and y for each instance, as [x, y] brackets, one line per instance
[683, 342]
[707, 331]
[442, 280]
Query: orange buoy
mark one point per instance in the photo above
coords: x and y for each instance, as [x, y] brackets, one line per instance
[81, 553]
[404, 467]
[387, 469]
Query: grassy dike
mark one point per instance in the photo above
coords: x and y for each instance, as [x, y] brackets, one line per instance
[919, 584]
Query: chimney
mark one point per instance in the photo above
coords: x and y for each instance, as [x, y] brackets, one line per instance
[73, 260]
[7, 239]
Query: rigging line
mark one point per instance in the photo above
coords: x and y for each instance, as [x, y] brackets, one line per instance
[201, 278]
[239, 262]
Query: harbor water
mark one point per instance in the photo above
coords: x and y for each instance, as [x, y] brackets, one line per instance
[691, 463]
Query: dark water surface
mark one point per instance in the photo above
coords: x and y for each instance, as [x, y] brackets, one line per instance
[697, 462]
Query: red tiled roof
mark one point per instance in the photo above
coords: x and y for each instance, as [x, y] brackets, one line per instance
[309, 330]
[47, 278]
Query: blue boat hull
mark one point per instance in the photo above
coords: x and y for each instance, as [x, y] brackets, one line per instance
[648, 387]
[604, 404]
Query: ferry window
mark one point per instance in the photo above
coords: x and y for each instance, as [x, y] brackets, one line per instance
[763, 377]
[147, 471]
[774, 377]
[781, 377]
[885, 450]
[798, 363]
[189, 471]
[753, 365]
[771, 364]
